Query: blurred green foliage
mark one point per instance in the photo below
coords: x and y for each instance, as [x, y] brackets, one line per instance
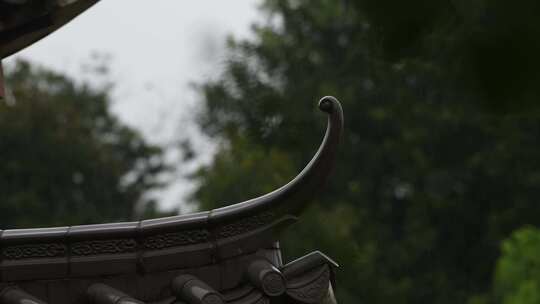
[66, 159]
[517, 278]
[439, 161]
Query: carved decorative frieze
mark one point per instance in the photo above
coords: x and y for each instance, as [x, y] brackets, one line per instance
[103, 247]
[31, 251]
[167, 240]
[246, 224]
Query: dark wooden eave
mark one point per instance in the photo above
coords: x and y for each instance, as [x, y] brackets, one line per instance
[217, 246]
[23, 22]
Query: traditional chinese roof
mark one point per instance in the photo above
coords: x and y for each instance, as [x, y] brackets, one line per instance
[226, 255]
[23, 22]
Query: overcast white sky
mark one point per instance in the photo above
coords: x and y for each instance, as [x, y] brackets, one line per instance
[157, 48]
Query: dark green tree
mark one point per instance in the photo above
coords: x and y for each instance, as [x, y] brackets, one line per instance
[440, 157]
[66, 159]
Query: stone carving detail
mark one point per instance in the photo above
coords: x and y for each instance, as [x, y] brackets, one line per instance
[103, 247]
[245, 225]
[273, 283]
[34, 251]
[212, 299]
[167, 240]
[314, 291]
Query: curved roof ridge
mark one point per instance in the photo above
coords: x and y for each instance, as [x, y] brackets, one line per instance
[156, 244]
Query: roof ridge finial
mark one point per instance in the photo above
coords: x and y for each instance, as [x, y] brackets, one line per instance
[291, 198]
